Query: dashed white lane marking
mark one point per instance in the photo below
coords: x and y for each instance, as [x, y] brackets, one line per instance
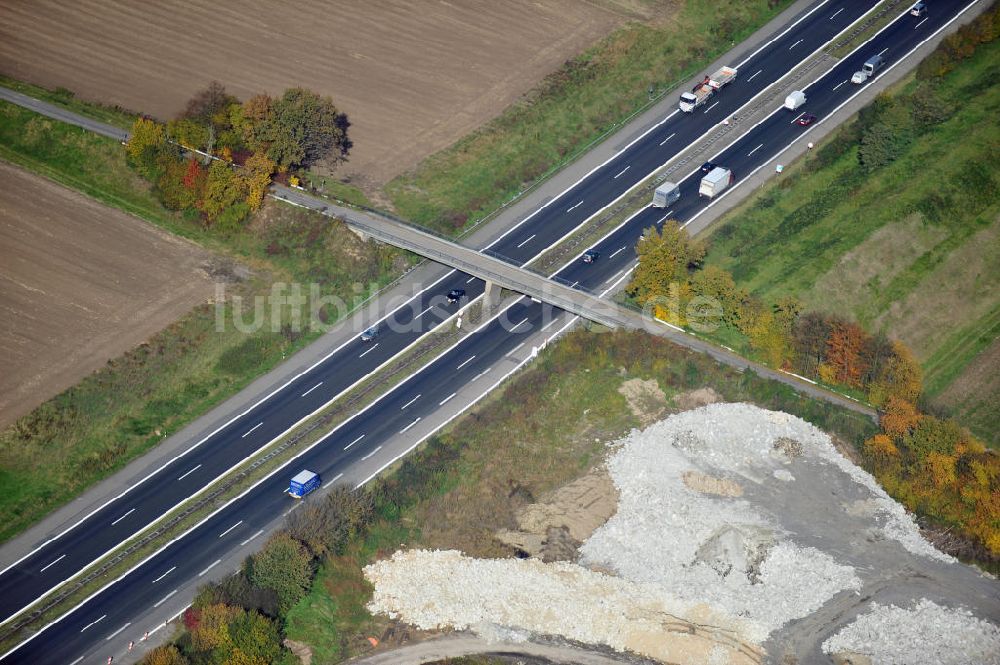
[408, 426]
[470, 280]
[614, 277]
[53, 563]
[574, 207]
[115, 634]
[251, 429]
[442, 402]
[217, 562]
[711, 107]
[164, 599]
[919, 24]
[410, 402]
[190, 471]
[251, 538]
[312, 389]
[840, 84]
[622, 171]
[615, 253]
[836, 12]
[373, 452]
[883, 50]
[164, 574]
[548, 325]
[754, 75]
[466, 362]
[482, 374]
[523, 321]
[230, 528]
[93, 622]
[668, 138]
[514, 350]
[130, 511]
[794, 45]
[755, 150]
[370, 350]
[526, 241]
[355, 441]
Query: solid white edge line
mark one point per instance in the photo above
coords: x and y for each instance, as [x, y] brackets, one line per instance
[837, 108]
[334, 351]
[957, 15]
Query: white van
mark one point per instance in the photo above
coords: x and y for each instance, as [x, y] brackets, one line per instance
[796, 99]
[872, 65]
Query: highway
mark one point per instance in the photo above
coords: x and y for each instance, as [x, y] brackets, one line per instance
[52, 563]
[93, 628]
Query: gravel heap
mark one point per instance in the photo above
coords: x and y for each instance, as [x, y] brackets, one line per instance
[502, 598]
[928, 633]
[698, 547]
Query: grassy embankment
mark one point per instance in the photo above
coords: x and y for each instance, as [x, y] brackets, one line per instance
[121, 411]
[548, 426]
[911, 249]
[572, 108]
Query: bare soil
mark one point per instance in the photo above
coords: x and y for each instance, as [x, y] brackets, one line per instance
[80, 283]
[412, 77]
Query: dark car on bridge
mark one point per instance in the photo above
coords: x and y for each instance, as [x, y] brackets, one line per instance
[455, 295]
[591, 255]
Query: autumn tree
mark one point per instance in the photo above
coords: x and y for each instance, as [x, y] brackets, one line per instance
[209, 105]
[166, 654]
[255, 640]
[810, 333]
[327, 525]
[224, 188]
[899, 376]
[285, 566]
[146, 142]
[256, 174]
[665, 259]
[899, 417]
[843, 355]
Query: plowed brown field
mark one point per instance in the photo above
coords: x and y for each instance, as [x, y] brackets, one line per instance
[413, 76]
[80, 283]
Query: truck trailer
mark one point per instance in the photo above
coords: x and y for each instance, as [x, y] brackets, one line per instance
[716, 182]
[303, 483]
[710, 85]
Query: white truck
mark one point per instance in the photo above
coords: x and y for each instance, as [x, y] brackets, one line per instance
[666, 194]
[716, 182]
[702, 92]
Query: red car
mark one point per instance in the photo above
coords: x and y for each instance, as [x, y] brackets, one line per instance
[806, 119]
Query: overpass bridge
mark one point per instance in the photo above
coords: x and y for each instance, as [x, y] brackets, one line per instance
[499, 274]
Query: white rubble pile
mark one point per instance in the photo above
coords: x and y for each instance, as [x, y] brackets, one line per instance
[437, 589]
[928, 633]
[698, 547]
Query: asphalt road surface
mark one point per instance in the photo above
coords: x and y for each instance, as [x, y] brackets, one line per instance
[51, 564]
[102, 625]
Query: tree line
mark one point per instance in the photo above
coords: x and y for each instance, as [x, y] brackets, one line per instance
[253, 141]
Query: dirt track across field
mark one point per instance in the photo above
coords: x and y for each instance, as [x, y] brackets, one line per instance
[80, 283]
[412, 76]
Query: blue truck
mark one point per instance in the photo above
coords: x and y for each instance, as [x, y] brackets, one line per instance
[303, 483]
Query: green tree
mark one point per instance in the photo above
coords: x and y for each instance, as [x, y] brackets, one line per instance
[303, 128]
[164, 655]
[717, 284]
[285, 566]
[255, 640]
